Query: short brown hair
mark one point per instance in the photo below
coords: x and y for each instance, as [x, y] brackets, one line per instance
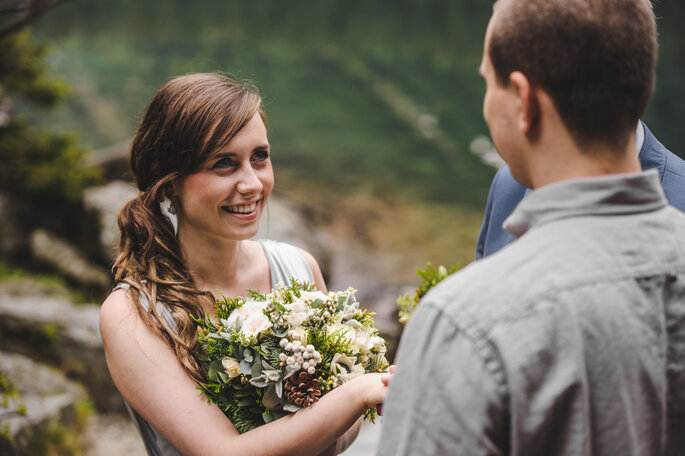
[595, 58]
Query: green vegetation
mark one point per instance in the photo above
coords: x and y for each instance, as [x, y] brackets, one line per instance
[429, 278]
[379, 98]
[37, 165]
[62, 438]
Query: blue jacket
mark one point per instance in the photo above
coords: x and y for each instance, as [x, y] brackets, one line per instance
[506, 193]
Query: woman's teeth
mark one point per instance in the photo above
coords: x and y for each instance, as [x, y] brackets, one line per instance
[241, 208]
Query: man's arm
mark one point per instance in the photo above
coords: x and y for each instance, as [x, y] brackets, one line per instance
[443, 399]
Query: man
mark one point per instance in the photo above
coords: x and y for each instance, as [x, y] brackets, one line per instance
[572, 339]
[506, 192]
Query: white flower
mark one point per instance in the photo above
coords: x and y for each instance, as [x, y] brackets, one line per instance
[311, 296]
[254, 324]
[344, 330]
[231, 366]
[239, 315]
[299, 312]
[359, 337]
[344, 367]
[378, 343]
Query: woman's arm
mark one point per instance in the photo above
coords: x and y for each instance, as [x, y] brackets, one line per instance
[153, 382]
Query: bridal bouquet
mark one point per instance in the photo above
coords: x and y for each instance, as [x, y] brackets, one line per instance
[270, 355]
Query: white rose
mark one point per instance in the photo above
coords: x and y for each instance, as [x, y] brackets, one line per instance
[360, 339]
[237, 318]
[254, 324]
[299, 312]
[231, 366]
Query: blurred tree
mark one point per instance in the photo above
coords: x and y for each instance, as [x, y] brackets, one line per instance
[39, 166]
[15, 14]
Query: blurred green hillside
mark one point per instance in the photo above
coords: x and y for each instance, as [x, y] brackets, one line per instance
[376, 97]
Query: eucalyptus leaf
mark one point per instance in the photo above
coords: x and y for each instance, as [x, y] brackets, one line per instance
[279, 413]
[214, 368]
[256, 370]
[268, 418]
[292, 408]
[271, 398]
[341, 303]
[278, 387]
[246, 367]
[317, 303]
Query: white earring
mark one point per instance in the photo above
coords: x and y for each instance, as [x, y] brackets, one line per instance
[169, 211]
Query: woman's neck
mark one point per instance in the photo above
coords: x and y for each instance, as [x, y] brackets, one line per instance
[226, 267]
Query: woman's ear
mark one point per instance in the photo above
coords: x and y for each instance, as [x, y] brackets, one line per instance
[529, 107]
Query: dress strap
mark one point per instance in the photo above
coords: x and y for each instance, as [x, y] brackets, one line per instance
[145, 302]
[286, 262]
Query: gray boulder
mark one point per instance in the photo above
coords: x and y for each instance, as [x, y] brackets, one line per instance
[46, 398]
[105, 201]
[67, 259]
[44, 324]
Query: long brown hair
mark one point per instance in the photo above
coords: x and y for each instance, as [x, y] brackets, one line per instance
[186, 120]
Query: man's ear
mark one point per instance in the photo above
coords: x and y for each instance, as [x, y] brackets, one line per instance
[529, 113]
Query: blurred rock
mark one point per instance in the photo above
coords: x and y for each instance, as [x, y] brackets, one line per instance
[112, 434]
[47, 397]
[105, 202]
[283, 221]
[67, 259]
[49, 328]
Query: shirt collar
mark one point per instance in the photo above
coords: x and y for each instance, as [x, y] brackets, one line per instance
[614, 194]
[639, 137]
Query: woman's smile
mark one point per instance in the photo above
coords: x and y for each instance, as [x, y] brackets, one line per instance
[246, 210]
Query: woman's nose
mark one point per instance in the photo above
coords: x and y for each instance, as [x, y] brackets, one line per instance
[249, 183]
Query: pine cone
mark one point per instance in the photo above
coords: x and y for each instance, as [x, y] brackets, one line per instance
[302, 389]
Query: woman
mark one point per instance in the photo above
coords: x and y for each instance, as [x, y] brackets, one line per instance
[201, 159]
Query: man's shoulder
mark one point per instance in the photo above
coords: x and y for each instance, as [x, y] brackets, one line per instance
[490, 289]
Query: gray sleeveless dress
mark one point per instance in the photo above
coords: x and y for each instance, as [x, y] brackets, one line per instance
[285, 262]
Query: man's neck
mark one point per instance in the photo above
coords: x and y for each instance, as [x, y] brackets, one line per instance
[556, 157]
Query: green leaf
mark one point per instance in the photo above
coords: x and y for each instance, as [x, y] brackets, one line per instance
[245, 367]
[214, 368]
[256, 370]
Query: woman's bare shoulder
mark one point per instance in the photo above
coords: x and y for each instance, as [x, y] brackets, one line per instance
[118, 309]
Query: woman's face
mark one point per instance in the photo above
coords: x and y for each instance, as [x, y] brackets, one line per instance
[226, 197]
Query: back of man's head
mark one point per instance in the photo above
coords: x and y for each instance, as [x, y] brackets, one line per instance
[595, 58]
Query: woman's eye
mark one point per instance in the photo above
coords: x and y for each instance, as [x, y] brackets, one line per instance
[223, 163]
[260, 155]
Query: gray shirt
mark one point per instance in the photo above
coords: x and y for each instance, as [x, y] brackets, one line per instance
[569, 341]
